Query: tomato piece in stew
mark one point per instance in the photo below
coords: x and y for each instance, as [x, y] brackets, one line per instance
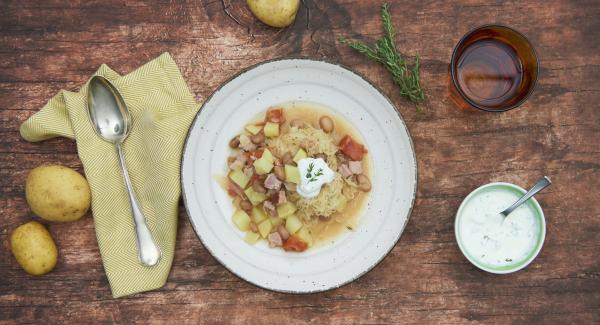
[275, 115]
[256, 154]
[352, 149]
[293, 243]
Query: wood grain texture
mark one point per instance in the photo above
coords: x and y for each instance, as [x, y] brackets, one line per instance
[46, 46]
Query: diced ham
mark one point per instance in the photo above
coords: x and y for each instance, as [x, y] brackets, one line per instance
[345, 170]
[230, 160]
[249, 171]
[274, 239]
[341, 157]
[355, 167]
[248, 147]
[241, 156]
[238, 161]
[253, 227]
[268, 206]
[270, 209]
[272, 182]
[246, 144]
[274, 198]
[272, 213]
[236, 164]
[282, 198]
[244, 140]
[235, 189]
[283, 232]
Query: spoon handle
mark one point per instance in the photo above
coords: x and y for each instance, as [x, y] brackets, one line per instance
[148, 252]
[540, 185]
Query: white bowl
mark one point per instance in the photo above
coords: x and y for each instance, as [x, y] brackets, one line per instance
[539, 213]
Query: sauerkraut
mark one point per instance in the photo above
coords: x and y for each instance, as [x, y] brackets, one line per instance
[333, 196]
[313, 141]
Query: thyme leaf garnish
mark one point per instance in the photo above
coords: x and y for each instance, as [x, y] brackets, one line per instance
[309, 173]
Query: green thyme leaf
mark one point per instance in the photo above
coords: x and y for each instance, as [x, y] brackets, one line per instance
[309, 171]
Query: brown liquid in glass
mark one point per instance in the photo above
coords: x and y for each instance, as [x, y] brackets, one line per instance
[489, 72]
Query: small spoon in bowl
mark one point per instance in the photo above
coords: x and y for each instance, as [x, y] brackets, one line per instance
[111, 121]
[540, 185]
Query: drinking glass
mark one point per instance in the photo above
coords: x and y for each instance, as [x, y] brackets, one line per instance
[493, 68]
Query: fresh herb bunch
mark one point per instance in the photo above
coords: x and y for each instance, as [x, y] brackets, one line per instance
[384, 51]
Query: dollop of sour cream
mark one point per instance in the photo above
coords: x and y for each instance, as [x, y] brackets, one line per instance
[314, 173]
[489, 237]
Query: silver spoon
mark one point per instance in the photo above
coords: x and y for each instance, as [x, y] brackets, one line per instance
[111, 121]
[540, 185]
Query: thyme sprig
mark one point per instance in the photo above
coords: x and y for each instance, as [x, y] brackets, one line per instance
[384, 52]
[309, 173]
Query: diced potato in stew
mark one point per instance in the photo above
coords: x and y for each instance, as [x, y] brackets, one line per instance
[258, 215]
[255, 197]
[268, 156]
[304, 235]
[277, 221]
[293, 224]
[292, 174]
[271, 130]
[239, 178]
[285, 210]
[253, 129]
[265, 227]
[251, 237]
[263, 166]
[241, 220]
[301, 154]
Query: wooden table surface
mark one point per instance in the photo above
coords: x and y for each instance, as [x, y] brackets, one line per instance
[46, 46]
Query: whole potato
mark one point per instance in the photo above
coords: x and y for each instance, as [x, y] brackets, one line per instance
[57, 193]
[34, 248]
[275, 13]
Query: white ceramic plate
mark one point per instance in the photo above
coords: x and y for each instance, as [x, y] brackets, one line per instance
[394, 175]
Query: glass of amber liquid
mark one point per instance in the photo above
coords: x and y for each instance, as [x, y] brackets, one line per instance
[493, 68]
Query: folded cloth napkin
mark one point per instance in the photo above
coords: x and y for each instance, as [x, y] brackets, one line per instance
[162, 109]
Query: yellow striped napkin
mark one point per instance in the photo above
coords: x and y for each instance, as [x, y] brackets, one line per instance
[162, 109]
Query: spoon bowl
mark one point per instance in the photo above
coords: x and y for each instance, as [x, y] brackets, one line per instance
[107, 110]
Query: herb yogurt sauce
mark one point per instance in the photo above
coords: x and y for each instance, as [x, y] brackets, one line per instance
[314, 173]
[489, 237]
